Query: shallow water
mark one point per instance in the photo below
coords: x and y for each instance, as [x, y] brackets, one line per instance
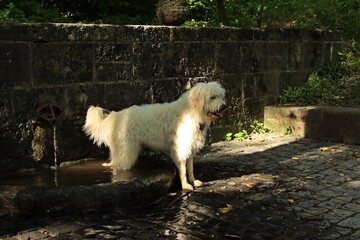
[88, 173]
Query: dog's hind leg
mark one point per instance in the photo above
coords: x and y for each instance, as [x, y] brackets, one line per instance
[190, 172]
[124, 156]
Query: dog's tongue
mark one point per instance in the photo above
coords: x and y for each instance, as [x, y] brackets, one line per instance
[219, 113]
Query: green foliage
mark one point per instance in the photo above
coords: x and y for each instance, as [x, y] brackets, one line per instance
[341, 15]
[334, 84]
[351, 59]
[239, 136]
[286, 130]
[9, 13]
[257, 127]
[31, 11]
[84, 11]
[338, 15]
[229, 136]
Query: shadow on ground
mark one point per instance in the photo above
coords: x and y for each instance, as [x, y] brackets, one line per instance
[265, 188]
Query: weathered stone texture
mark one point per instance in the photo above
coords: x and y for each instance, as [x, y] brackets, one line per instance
[337, 124]
[73, 66]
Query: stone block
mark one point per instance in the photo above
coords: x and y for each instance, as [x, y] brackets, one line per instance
[128, 33]
[122, 95]
[15, 65]
[228, 58]
[314, 54]
[201, 34]
[327, 123]
[113, 72]
[147, 61]
[275, 64]
[114, 52]
[67, 150]
[252, 57]
[276, 49]
[292, 79]
[270, 82]
[248, 86]
[189, 59]
[242, 34]
[161, 91]
[296, 57]
[61, 64]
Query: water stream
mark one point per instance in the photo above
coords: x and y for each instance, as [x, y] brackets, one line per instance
[55, 167]
[55, 147]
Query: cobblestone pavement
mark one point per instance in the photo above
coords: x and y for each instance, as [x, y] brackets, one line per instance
[270, 187]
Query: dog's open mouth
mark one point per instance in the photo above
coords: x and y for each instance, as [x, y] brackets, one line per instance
[219, 113]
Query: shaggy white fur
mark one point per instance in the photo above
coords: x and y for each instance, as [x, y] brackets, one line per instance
[177, 129]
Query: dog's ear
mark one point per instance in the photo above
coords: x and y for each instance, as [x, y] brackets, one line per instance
[196, 96]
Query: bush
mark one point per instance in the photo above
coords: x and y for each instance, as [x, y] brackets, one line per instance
[84, 11]
[335, 84]
[340, 15]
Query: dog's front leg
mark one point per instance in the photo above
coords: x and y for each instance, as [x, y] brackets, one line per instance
[190, 172]
[181, 166]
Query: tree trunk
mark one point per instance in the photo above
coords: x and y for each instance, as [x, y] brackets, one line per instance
[221, 12]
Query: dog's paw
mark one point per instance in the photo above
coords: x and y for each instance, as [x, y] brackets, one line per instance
[187, 187]
[107, 164]
[198, 183]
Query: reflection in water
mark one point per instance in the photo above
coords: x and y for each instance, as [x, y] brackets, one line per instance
[180, 217]
[56, 176]
[88, 173]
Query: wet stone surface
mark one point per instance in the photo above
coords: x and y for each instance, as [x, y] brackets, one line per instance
[270, 187]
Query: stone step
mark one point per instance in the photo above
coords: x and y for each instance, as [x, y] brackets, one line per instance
[338, 124]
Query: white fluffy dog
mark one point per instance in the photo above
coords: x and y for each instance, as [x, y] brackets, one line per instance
[177, 129]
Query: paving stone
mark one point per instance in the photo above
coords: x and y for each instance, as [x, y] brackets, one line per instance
[306, 203]
[352, 207]
[330, 204]
[356, 234]
[328, 193]
[349, 163]
[337, 215]
[354, 194]
[32, 235]
[352, 222]
[336, 178]
[336, 232]
[317, 211]
[61, 228]
[353, 184]
[342, 199]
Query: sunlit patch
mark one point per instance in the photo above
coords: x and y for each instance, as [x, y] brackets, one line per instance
[242, 184]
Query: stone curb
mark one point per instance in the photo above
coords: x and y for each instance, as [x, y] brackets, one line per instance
[337, 124]
[77, 198]
[102, 196]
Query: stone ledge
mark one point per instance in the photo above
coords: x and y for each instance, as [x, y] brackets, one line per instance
[338, 124]
[76, 198]
[73, 199]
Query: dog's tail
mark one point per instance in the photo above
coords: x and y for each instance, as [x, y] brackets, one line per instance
[93, 125]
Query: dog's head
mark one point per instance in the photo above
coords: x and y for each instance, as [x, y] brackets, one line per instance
[208, 99]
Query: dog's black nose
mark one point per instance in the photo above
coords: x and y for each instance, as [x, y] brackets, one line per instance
[223, 107]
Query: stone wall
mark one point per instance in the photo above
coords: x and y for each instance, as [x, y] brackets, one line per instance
[57, 70]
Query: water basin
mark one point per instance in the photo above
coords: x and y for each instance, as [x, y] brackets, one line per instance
[85, 185]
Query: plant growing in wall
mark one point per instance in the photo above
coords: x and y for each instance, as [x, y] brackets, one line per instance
[334, 84]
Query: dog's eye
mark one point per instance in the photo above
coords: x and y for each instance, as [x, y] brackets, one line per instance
[212, 97]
